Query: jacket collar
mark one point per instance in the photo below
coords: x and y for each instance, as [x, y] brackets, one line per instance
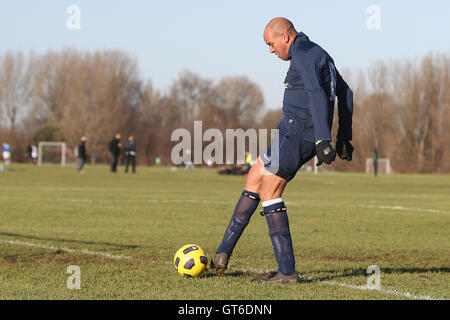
[301, 36]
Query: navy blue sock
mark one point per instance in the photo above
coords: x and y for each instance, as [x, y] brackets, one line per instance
[247, 204]
[279, 233]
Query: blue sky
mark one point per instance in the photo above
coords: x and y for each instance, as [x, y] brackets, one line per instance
[224, 38]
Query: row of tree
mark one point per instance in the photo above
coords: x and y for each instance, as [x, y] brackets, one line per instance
[401, 108]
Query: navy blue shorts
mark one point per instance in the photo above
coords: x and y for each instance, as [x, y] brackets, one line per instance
[295, 147]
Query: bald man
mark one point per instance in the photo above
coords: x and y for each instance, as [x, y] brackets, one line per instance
[311, 86]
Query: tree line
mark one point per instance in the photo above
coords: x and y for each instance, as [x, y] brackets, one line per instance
[402, 108]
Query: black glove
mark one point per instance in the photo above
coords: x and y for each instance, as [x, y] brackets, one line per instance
[325, 152]
[344, 149]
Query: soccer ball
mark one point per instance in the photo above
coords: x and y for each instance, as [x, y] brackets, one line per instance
[190, 261]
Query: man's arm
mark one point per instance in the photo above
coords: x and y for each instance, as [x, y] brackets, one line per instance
[345, 108]
[310, 65]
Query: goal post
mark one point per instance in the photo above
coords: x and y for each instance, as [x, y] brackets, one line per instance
[384, 166]
[52, 152]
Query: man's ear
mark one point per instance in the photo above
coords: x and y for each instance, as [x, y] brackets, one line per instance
[285, 37]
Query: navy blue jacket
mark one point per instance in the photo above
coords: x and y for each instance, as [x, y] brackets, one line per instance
[312, 84]
[130, 148]
[114, 147]
[82, 150]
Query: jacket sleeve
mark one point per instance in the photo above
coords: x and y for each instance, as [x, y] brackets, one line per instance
[345, 108]
[310, 64]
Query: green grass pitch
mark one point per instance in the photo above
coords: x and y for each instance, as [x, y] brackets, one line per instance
[123, 230]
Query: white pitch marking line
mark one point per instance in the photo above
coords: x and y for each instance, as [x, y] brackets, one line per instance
[402, 208]
[333, 283]
[128, 201]
[68, 250]
[381, 290]
[294, 203]
[356, 287]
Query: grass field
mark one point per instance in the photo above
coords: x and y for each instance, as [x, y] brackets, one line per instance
[123, 230]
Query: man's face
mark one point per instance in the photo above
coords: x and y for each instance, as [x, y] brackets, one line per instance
[278, 44]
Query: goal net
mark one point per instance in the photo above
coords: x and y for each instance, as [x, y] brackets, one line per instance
[384, 166]
[52, 152]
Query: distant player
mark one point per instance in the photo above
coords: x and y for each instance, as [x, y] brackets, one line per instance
[129, 149]
[188, 163]
[34, 153]
[6, 153]
[82, 156]
[375, 162]
[312, 84]
[28, 153]
[114, 149]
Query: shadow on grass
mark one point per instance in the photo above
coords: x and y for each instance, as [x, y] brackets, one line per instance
[361, 272]
[334, 274]
[235, 274]
[22, 236]
[231, 274]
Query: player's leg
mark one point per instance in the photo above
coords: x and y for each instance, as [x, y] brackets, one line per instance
[116, 162]
[276, 216]
[293, 152]
[275, 212]
[245, 207]
[127, 162]
[278, 159]
[113, 159]
[375, 168]
[81, 165]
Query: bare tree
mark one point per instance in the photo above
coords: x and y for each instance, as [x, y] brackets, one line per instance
[191, 93]
[241, 97]
[400, 107]
[15, 84]
[88, 94]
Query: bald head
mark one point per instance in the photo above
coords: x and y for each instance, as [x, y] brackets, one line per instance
[280, 25]
[278, 35]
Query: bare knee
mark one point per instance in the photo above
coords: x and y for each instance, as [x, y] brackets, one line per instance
[254, 177]
[271, 187]
[266, 184]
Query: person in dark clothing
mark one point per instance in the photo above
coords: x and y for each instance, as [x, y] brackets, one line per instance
[82, 154]
[114, 148]
[29, 151]
[312, 84]
[375, 162]
[130, 154]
